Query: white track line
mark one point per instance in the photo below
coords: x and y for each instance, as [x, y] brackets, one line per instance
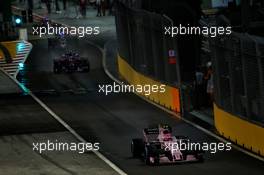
[101, 156]
[72, 131]
[181, 118]
[69, 128]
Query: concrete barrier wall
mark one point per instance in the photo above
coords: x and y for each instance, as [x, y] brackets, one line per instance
[242, 132]
[169, 99]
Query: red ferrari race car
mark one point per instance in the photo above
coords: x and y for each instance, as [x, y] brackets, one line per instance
[159, 147]
[71, 62]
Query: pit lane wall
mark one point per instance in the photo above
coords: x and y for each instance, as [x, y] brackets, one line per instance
[242, 132]
[169, 99]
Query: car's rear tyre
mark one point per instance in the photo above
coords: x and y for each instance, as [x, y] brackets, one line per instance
[137, 147]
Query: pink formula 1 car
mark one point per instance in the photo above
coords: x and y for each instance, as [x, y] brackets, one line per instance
[159, 147]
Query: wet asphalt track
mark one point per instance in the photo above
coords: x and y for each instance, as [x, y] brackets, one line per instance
[115, 119]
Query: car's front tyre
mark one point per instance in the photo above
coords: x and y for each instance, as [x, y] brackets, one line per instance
[151, 158]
